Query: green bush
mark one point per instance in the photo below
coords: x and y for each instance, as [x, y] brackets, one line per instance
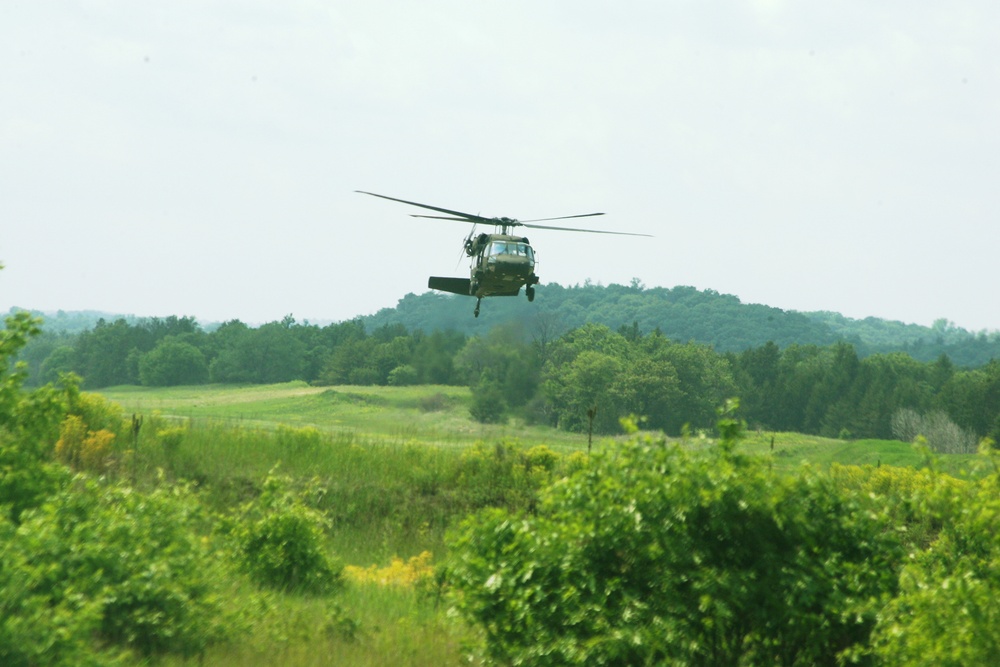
[652, 554]
[402, 376]
[488, 403]
[26, 479]
[503, 475]
[279, 542]
[947, 610]
[103, 565]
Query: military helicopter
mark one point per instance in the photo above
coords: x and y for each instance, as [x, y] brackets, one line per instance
[501, 262]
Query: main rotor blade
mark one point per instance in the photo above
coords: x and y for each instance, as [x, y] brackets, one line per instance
[442, 217]
[589, 231]
[478, 219]
[563, 217]
[468, 217]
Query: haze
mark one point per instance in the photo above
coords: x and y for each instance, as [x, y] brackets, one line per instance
[200, 158]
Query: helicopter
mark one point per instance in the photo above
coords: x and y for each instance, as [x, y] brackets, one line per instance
[502, 262]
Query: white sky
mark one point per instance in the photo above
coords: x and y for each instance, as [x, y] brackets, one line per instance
[200, 157]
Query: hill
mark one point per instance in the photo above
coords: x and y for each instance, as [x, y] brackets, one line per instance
[686, 314]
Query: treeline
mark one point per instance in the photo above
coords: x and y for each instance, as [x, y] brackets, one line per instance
[825, 390]
[586, 378]
[176, 351]
[685, 313]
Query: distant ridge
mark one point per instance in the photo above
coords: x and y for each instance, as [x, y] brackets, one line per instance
[686, 314]
[681, 313]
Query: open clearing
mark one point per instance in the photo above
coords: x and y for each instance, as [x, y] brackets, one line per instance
[438, 415]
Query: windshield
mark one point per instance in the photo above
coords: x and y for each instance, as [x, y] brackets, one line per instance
[511, 248]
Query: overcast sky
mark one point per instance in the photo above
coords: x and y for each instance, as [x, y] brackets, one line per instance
[200, 157]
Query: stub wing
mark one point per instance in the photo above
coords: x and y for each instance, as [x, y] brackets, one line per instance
[454, 285]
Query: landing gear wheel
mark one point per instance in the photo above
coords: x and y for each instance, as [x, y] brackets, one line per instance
[476, 311]
[529, 292]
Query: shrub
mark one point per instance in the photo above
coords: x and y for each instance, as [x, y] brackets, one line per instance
[652, 554]
[402, 376]
[947, 610]
[435, 402]
[26, 479]
[503, 475]
[126, 568]
[279, 542]
[82, 449]
[488, 402]
[916, 501]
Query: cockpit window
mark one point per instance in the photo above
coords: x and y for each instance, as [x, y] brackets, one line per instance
[511, 248]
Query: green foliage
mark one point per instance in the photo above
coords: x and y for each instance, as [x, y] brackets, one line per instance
[947, 610]
[918, 502]
[109, 354]
[173, 362]
[270, 353]
[104, 562]
[503, 475]
[402, 376]
[654, 554]
[299, 440]
[388, 494]
[26, 479]
[279, 542]
[687, 314]
[501, 360]
[819, 383]
[29, 423]
[667, 383]
[488, 401]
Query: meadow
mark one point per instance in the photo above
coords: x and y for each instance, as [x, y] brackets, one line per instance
[392, 470]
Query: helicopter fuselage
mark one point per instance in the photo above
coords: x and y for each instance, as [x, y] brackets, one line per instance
[501, 265]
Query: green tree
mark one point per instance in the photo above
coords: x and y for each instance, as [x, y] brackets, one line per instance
[511, 363]
[591, 379]
[351, 363]
[270, 353]
[173, 362]
[704, 378]
[756, 372]
[104, 352]
[61, 360]
[434, 357]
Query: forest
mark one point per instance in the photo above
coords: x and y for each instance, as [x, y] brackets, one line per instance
[685, 313]
[821, 374]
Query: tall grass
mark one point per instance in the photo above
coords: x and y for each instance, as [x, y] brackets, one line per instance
[383, 498]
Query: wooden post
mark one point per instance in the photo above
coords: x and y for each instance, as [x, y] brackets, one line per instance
[136, 425]
[591, 413]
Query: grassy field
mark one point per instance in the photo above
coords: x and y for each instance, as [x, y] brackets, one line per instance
[430, 415]
[438, 415]
[395, 468]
